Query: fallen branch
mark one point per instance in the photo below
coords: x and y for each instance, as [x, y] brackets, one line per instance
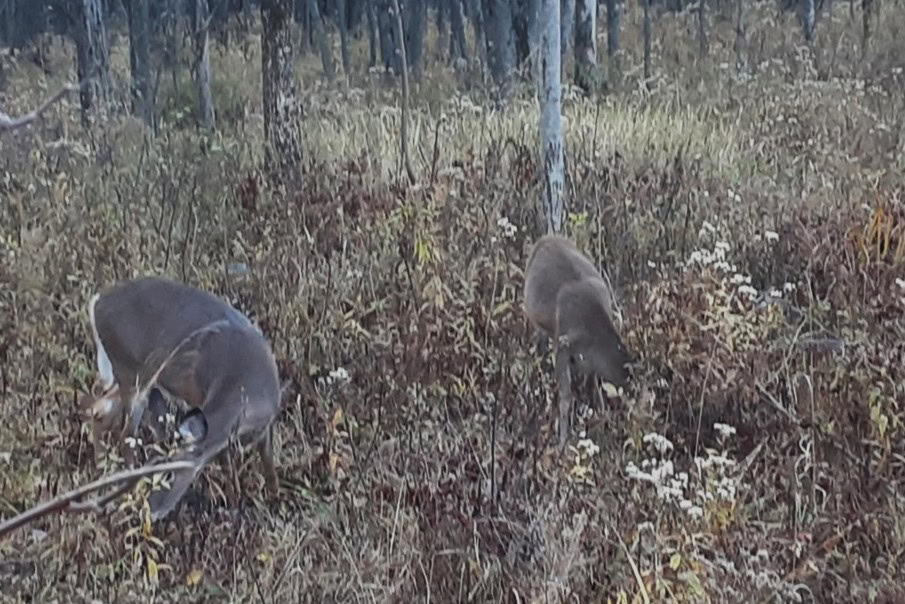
[68, 502]
[11, 123]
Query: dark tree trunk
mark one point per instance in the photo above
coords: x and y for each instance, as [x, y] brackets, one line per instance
[866, 11]
[567, 20]
[342, 22]
[416, 20]
[645, 33]
[281, 109]
[444, 40]
[373, 32]
[206, 115]
[586, 44]
[702, 29]
[140, 59]
[92, 55]
[388, 42]
[500, 43]
[613, 26]
[457, 27]
[320, 35]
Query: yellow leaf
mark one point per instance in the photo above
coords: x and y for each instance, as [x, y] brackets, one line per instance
[675, 560]
[338, 418]
[263, 557]
[193, 578]
[152, 571]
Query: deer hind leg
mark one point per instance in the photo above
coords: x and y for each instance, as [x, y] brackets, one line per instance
[265, 448]
[564, 380]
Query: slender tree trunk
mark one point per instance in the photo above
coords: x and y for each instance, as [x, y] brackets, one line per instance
[388, 39]
[373, 33]
[281, 108]
[613, 27]
[476, 15]
[444, 40]
[203, 66]
[320, 35]
[457, 27]
[416, 15]
[645, 27]
[702, 29]
[342, 22]
[552, 212]
[586, 44]
[500, 43]
[403, 130]
[866, 10]
[739, 45]
[140, 59]
[567, 20]
[808, 19]
[92, 56]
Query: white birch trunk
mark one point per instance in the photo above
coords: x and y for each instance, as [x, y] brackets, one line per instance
[552, 212]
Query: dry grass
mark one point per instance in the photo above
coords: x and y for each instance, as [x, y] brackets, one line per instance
[416, 444]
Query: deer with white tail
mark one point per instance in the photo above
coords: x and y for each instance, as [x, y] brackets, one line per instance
[567, 299]
[153, 333]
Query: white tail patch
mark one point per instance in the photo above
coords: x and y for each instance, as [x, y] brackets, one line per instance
[104, 366]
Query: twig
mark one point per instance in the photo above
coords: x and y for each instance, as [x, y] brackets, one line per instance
[67, 502]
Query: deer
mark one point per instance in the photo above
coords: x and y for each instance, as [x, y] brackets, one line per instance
[154, 334]
[566, 299]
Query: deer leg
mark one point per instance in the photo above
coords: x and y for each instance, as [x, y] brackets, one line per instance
[165, 501]
[564, 379]
[265, 448]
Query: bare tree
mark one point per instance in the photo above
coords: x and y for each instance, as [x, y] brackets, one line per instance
[373, 32]
[403, 130]
[279, 91]
[808, 19]
[866, 10]
[702, 29]
[613, 25]
[140, 59]
[566, 22]
[320, 36]
[552, 212]
[206, 116]
[342, 23]
[586, 44]
[500, 43]
[645, 27]
[92, 54]
[457, 28]
[416, 20]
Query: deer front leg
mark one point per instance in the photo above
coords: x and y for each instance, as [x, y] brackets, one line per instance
[265, 448]
[564, 380]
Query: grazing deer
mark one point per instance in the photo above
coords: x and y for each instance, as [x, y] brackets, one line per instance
[155, 333]
[567, 299]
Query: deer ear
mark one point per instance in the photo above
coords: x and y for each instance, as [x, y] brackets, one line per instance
[193, 426]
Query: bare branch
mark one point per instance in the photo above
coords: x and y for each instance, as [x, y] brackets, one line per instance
[11, 123]
[68, 502]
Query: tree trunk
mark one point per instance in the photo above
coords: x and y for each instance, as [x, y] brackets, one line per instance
[866, 10]
[476, 16]
[613, 26]
[567, 20]
[702, 30]
[457, 27]
[342, 22]
[320, 35]
[645, 32]
[92, 56]
[444, 40]
[416, 15]
[281, 109]
[586, 44]
[808, 19]
[500, 43]
[552, 212]
[396, 16]
[203, 66]
[388, 41]
[373, 33]
[139, 18]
